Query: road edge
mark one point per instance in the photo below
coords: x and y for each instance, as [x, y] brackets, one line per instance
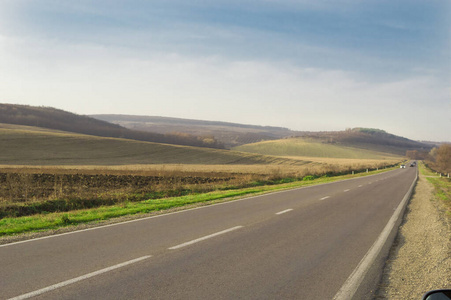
[363, 281]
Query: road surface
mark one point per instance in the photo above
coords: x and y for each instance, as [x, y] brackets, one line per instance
[297, 244]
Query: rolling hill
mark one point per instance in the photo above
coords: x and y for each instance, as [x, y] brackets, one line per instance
[25, 145]
[52, 118]
[308, 148]
[354, 143]
[230, 134]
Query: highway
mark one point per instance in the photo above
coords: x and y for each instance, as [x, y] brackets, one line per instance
[296, 244]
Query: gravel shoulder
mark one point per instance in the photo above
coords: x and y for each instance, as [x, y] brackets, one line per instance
[420, 258]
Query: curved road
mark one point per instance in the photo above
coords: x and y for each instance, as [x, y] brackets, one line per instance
[297, 244]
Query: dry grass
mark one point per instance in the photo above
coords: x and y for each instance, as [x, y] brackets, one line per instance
[310, 165]
[23, 184]
[60, 211]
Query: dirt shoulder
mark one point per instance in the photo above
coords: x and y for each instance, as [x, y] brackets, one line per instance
[420, 258]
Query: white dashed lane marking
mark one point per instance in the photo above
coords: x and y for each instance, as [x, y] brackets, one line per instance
[284, 211]
[205, 238]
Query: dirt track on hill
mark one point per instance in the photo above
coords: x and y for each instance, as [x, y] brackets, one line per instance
[420, 259]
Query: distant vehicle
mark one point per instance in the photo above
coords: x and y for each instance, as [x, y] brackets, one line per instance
[412, 165]
[402, 166]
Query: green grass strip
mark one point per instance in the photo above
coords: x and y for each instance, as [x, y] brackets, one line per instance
[442, 187]
[41, 222]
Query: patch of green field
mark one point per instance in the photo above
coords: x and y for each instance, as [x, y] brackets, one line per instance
[307, 147]
[22, 145]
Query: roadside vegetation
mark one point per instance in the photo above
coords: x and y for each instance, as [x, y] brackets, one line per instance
[442, 187]
[437, 159]
[37, 199]
[436, 166]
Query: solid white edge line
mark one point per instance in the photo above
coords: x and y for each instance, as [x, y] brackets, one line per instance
[185, 210]
[284, 211]
[74, 280]
[204, 238]
[353, 282]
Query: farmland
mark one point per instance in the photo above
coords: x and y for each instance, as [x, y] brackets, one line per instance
[25, 145]
[52, 179]
[39, 199]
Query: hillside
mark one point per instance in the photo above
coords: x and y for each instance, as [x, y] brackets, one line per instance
[354, 143]
[375, 139]
[230, 134]
[24, 145]
[308, 148]
[57, 119]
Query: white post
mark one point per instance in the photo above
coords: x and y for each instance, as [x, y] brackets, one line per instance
[353, 173]
[367, 170]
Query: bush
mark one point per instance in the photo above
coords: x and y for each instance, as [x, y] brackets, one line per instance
[65, 220]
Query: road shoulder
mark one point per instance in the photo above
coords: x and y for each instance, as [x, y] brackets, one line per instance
[420, 258]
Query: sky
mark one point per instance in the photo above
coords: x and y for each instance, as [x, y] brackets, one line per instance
[313, 65]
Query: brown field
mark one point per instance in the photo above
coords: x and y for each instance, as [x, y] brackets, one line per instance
[26, 190]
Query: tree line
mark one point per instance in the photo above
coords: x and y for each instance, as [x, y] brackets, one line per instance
[438, 159]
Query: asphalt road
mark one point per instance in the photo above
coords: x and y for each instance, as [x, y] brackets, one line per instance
[297, 244]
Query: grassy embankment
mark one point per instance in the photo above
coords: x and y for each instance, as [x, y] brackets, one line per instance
[442, 187]
[46, 221]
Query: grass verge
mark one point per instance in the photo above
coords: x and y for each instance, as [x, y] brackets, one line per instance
[42, 222]
[442, 187]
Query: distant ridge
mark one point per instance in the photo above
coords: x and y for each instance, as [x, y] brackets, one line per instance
[52, 118]
[211, 134]
[231, 134]
[370, 138]
[169, 120]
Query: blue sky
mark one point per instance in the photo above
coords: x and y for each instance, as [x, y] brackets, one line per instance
[305, 65]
